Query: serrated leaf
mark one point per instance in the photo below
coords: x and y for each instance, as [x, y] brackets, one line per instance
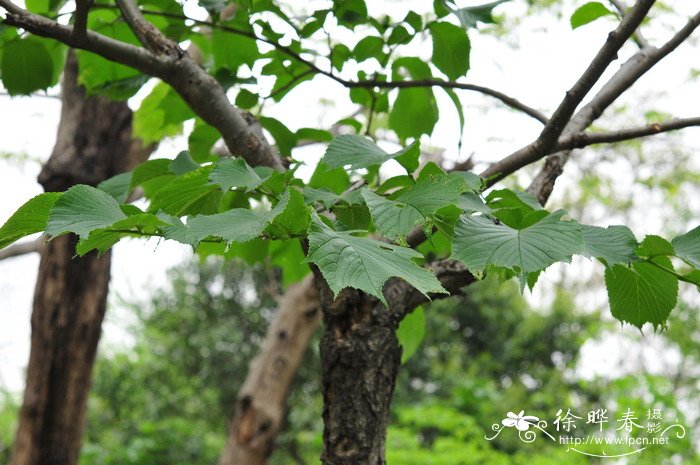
[653, 246]
[360, 152]
[411, 332]
[469, 202]
[30, 218]
[352, 216]
[588, 13]
[479, 243]
[149, 170]
[643, 292]
[294, 219]
[184, 193]
[451, 49]
[614, 244]
[82, 209]
[395, 218]
[363, 263]
[687, 247]
[235, 173]
[102, 239]
[236, 225]
[183, 163]
[178, 231]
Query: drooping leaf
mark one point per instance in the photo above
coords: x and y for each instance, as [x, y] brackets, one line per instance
[415, 109]
[450, 49]
[82, 209]
[411, 332]
[30, 218]
[643, 292]
[360, 152]
[479, 243]
[363, 263]
[588, 13]
[160, 115]
[687, 247]
[614, 244]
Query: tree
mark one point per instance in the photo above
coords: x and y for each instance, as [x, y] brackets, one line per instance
[444, 222]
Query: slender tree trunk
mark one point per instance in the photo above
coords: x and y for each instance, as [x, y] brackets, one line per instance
[261, 401]
[93, 143]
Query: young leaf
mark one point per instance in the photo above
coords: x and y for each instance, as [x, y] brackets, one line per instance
[614, 244]
[450, 49]
[411, 332]
[588, 13]
[360, 152]
[82, 209]
[643, 292]
[478, 243]
[30, 218]
[687, 247]
[363, 263]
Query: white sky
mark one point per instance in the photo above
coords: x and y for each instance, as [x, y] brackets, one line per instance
[548, 58]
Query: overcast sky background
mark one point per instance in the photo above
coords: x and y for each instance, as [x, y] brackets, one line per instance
[544, 62]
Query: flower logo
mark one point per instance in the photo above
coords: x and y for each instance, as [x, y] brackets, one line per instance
[520, 421]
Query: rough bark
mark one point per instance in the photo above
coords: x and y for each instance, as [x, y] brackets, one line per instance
[93, 143]
[261, 400]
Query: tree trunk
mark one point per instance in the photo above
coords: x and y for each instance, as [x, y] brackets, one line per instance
[360, 358]
[93, 143]
[261, 401]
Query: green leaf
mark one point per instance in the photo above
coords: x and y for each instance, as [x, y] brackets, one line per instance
[151, 170]
[415, 110]
[395, 218]
[117, 186]
[26, 66]
[235, 173]
[30, 218]
[411, 332]
[102, 239]
[237, 225]
[471, 15]
[479, 243]
[361, 152]
[185, 194]
[336, 179]
[363, 263]
[368, 47]
[201, 141]
[451, 49]
[687, 247]
[231, 50]
[614, 244]
[352, 216]
[82, 209]
[183, 163]
[161, 114]
[643, 292]
[285, 139]
[294, 219]
[653, 246]
[588, 13]
[246, 99]
[289, 256]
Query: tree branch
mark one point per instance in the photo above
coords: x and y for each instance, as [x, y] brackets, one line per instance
[622, 80]
[23, 248]
[82, 7]
[504, 98]
[197, 88]
[584, 139]
[638, 37]
[562, 115]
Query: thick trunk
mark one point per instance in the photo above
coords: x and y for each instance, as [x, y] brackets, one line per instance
[360, 358]
[261, 401]
[93, 143]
